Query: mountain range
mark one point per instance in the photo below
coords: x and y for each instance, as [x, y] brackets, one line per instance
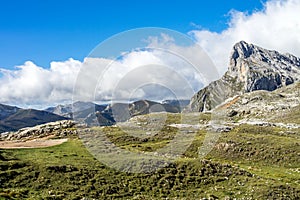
[88, 113]
[121, 112]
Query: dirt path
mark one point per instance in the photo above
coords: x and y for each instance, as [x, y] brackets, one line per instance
[35, 143]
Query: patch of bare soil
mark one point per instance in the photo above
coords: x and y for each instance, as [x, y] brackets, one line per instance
[35, 143]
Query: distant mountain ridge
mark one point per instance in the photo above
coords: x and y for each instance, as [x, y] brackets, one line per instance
[77, 109]
[251, 68]
[14, 118]
[92, 114]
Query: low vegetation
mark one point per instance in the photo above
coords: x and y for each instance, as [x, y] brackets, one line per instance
[248, 162]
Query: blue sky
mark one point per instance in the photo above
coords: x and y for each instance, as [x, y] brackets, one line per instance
[52, 30]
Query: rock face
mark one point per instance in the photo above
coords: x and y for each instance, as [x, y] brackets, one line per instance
[251, 68]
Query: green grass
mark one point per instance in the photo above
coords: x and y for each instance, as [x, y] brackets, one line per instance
[259, 163]
[71, 173]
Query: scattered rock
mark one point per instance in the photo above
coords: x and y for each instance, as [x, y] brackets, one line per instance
[232, 113]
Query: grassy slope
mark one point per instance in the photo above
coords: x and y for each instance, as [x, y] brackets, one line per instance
[258, 163]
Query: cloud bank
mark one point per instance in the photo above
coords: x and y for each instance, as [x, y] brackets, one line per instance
[30, 84]
[277, 26]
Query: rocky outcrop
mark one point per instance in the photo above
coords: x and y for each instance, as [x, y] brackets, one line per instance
[58, 128]
[251, 68]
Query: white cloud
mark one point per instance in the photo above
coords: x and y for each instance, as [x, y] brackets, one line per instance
[30, 84]
[130, 76]
[276, 27]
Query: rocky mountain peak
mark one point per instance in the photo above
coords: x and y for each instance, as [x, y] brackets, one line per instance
[250, 68]
[245, 57]
[243, 49]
